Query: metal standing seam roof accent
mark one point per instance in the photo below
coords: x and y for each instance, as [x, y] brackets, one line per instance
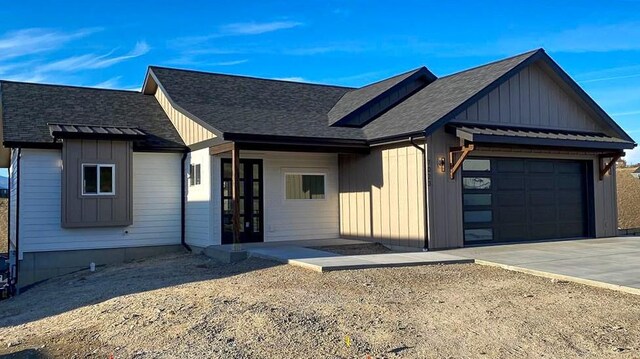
[76, 130]
[484, 133]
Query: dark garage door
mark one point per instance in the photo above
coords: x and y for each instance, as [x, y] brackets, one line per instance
[514, 199]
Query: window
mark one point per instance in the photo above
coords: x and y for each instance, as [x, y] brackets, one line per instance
[476, 183]
[476, 165]
[304, 186]
[194, 175]
[478, 234]
[476, 199]
[98, 179]
[477, 216]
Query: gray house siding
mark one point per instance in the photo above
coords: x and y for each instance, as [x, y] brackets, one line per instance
[445, 195]
[96, 210]
[532, 98]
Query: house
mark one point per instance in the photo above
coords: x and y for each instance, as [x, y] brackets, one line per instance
[636, 173]
[510, 151]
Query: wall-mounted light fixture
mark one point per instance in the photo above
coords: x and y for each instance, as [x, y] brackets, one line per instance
[441, 164]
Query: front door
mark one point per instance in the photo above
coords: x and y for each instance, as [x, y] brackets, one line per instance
[251, 218]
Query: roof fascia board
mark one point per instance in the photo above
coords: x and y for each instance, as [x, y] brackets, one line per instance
[310, 141]
[422, 72]
[180, 109]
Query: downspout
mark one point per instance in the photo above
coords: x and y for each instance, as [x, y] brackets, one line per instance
[425, 204]
[183, 204]
[17, 266]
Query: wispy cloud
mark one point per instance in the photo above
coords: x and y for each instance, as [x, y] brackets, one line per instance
[235, 29]
[256, 28]
[111, 83]
[92, 61]
[609, 74]
[292, 79]
[36, 40]
[627, 113]
[230, 63]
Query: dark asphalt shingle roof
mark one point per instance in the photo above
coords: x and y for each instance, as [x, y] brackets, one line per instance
[357, 98]
[437, 99]
[27, 109]
[245, 105]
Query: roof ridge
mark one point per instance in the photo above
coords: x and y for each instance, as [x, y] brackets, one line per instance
[251, 77]
[68, 86]
[530, 53]
[392, 77]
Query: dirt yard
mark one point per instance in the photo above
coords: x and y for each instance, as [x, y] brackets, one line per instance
[628, 198]
[187, 306]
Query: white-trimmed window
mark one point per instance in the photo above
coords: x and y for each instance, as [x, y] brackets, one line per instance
[194, 175]
[98, 179]
[304, 185]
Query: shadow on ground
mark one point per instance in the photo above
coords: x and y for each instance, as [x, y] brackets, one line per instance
[86, 288]
[26, 354]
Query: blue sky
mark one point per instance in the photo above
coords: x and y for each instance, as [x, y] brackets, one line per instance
[110, 44]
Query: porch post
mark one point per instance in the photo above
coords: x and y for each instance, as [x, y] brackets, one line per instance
[235, 194]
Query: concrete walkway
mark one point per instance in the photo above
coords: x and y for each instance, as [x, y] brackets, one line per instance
[322, 261]
[612, 263]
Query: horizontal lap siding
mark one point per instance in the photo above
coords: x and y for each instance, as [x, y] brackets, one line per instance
[156, 206]
[381, 196]
[198, 211]
[531, 98]
[288, 220]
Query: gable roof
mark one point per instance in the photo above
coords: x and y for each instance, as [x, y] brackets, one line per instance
[439, 102]
[254, 109]
[28, 109]
[356, 100]
[232, 104]
[433, 103]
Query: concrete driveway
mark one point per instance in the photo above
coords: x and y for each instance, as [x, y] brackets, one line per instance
[605, 262]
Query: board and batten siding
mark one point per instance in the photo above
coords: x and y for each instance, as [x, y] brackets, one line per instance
[444, 194]
[80, 210]
[156, 205]
[604, 192]
[199, 206]
[286, 220]
[532, 98]
[381, 196]
[190, 131]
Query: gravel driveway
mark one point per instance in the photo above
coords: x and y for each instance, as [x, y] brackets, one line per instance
[187, 306]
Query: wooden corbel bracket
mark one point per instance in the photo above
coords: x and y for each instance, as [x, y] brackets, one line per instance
[613, 158]
[454, 165]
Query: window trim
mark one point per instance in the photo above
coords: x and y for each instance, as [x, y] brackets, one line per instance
[284, 185]
[98, 191]
[195, 174]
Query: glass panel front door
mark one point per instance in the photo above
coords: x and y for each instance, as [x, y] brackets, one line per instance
[250, 193]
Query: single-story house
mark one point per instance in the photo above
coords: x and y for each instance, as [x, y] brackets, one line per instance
[513, 150]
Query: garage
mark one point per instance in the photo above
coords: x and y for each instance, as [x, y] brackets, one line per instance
[521, 199]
